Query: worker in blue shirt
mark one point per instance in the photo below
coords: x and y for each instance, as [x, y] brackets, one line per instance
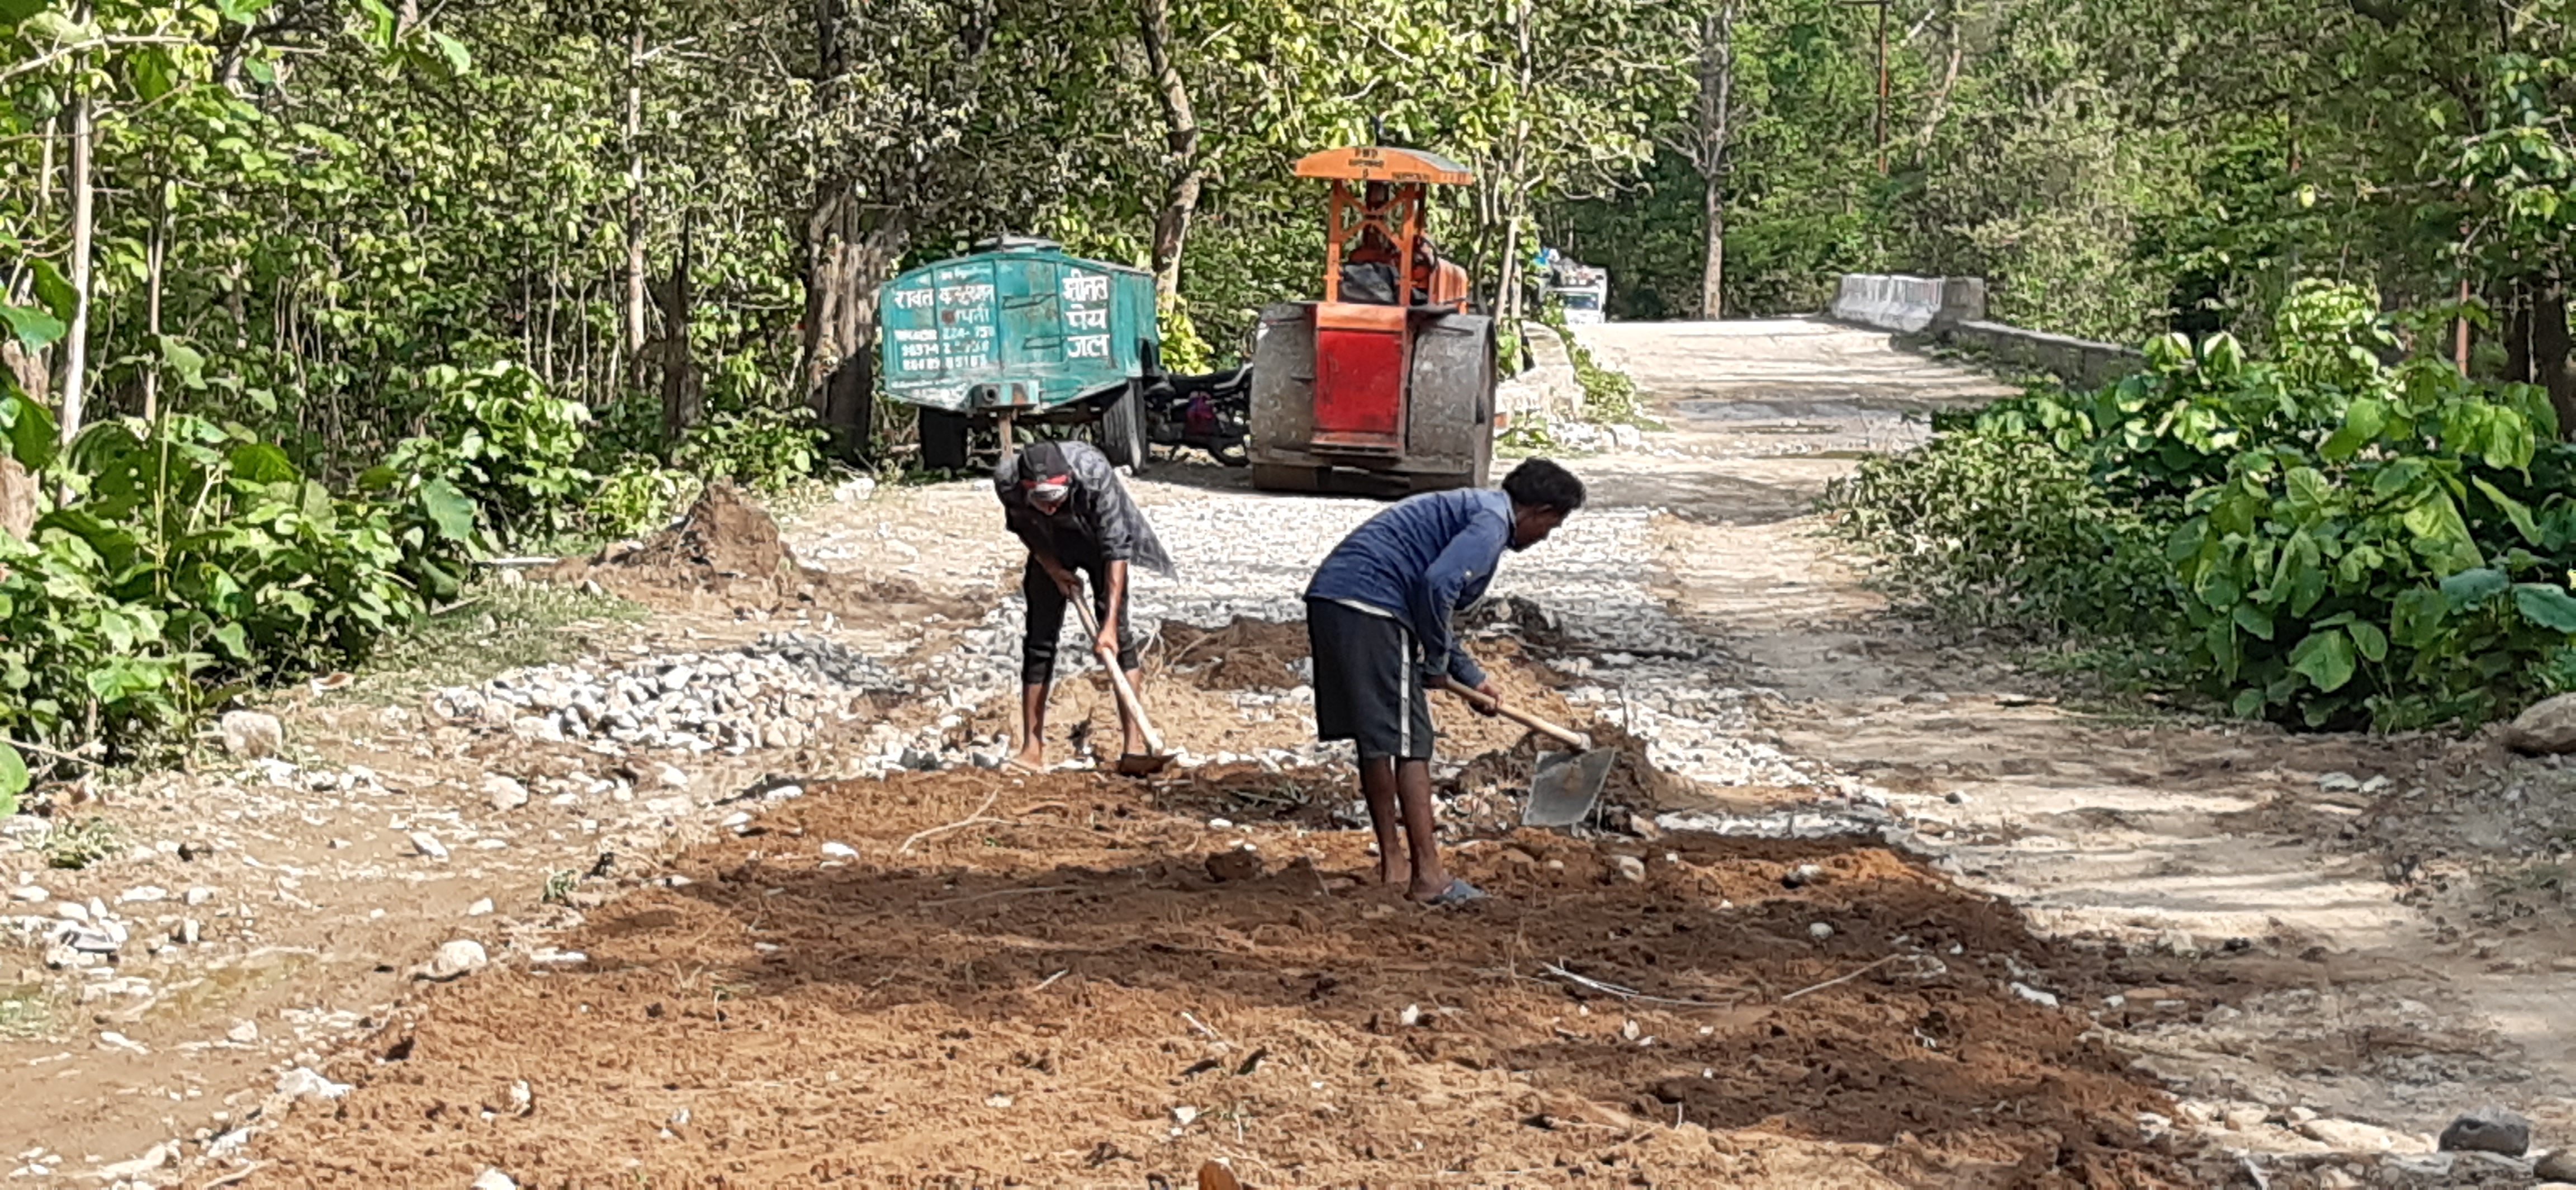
[1377, 619]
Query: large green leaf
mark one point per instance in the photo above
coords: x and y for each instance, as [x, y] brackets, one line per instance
[32, 432]
[451, 510]
[2545, 605]
[2470, 588]
[34, 328]
[13, 779]
[2361, 425]
[2372, 642]
[54, 289]
[2325, 658]
[2514, 510]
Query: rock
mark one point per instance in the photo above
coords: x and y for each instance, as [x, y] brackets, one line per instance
[506, 793]
[2349, 1136]
[1233, 865]
[2244, 1117]
[456, 958]
[839, 851]
[2034, 995]
[480, 908]
[2548, 728]
[199, 896]
[2559, 1166]
[243, 1032]
[153, 1158]
[2488, 1129]
[493, 1179]
[1631, 869]
[1802, 876]
[1820, 931]
[428, 845]
[29, 893]
[2339, 783]
[251, 735]
[304, 1082]
[142, 895]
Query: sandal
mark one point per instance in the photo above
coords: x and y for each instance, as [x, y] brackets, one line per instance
[1458, 893]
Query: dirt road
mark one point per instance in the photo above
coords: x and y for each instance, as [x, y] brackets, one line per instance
[1870, 906]
[2322, 986]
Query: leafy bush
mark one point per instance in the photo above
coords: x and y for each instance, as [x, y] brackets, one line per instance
[638, 497]
[1608, 395]
[2321, 537]
[505, 444]
[193, 559]
[761, 447]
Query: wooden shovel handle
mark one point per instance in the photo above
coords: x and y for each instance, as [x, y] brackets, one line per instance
[1572, 739]
[1117, 677]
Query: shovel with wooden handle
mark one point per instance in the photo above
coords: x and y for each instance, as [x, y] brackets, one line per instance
[1132, 764]
[1566, 784]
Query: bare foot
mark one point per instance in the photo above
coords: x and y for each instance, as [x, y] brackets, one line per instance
[1032, 756]
[1426, 885]
[1394, 870]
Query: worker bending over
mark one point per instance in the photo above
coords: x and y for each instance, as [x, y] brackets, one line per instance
[1377, 618]
[1064, 501]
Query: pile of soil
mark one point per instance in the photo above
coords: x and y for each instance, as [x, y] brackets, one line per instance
[1246, 654]
[1054, 987]
[727, 554]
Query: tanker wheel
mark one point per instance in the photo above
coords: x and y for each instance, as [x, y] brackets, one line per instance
[1122, 430]
[1286, 477]
[943, 440]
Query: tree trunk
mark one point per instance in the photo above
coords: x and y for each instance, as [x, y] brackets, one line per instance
[850, 252]
[1181, 140]
[2549, 350]
[2517, 331]
[635, 261]
[155, 252]
[76, 342]
[1712, 119]
[683, 400]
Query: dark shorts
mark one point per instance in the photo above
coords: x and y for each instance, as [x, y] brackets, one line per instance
[1368, 682]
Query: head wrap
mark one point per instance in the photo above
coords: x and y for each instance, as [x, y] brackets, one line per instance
[1044, 474]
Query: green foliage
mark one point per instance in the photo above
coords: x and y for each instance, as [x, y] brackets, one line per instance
[76, 845]
[13, 779]
[637, 498]
[501, 441]
[194, 559]
[2318, 537]
[1608, 394]
[766, 449]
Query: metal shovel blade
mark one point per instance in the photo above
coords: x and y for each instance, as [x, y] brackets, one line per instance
[1565, 786]
[1141, 764]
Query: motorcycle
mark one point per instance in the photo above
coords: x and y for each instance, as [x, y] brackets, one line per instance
[1212, 412]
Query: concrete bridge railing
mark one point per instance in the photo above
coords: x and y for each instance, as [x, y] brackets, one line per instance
[1953, 310]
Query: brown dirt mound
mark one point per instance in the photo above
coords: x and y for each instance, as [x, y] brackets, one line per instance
[1066, 996]
[1246, 654]
[727, 552]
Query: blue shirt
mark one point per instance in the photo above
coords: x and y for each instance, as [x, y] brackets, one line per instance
[1422, 560]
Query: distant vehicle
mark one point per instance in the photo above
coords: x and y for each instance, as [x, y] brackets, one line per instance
[1583, 290]
[1021, 333]
[1387, 384]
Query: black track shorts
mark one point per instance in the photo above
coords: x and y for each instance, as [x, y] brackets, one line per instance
[1368, 681]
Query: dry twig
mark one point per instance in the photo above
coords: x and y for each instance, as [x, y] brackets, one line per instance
[969, 820]
[1613, 989]
[1841, 978]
